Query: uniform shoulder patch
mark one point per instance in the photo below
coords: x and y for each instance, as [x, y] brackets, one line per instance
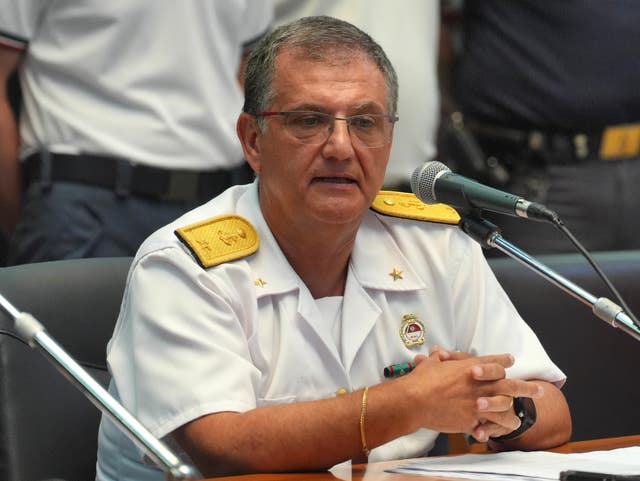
[404, 204]
[219, 239]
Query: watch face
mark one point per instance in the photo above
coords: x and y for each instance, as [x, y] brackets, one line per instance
[525, 409]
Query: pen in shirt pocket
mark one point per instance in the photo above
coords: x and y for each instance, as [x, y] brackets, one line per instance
[397, 370]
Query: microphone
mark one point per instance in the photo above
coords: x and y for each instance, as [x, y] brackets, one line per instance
[433, 182]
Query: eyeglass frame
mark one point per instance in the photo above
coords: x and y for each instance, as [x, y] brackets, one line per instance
[391, 118]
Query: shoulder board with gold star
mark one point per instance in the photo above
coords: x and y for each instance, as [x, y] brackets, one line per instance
[219, 239]
[404, 204]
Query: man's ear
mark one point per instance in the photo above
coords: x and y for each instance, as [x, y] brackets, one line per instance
[250, 135]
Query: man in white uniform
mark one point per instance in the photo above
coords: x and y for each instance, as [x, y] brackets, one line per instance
[127, 121]
[255, 330]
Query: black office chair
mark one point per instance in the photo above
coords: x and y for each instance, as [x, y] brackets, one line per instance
[48, 428]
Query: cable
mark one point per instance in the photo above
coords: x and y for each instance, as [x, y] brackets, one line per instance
[557, 222]
[84, 364]
[13, 336]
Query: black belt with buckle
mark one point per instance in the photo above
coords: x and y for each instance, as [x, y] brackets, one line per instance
[125, 178]
[613, 142]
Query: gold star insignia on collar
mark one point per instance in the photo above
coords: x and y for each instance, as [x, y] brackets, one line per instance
[396, 274]
[259, 282]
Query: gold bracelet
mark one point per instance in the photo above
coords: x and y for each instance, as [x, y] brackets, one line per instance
[363, 414]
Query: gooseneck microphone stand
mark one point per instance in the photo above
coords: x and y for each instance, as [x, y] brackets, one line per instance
[37, 337]
[488, 235]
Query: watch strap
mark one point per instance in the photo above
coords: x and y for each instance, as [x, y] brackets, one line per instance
[525, 409]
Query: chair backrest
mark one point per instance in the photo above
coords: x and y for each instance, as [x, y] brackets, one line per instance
[48, 428]
[600, 362]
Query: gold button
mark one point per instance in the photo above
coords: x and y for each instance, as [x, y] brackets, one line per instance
[341, 391]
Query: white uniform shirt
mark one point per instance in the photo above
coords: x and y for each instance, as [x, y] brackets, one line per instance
[191, 341]
[408, 31]
[152, 81]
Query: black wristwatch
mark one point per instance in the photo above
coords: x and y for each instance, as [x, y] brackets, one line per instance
[525, 409]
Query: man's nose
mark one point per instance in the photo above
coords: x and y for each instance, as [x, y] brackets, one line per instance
[339, 142]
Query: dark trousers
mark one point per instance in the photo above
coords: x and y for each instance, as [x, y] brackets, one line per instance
[3, 250]
[97, 206]
[598, 200]
[69, 220]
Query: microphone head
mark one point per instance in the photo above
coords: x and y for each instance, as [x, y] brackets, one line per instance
[423, 180]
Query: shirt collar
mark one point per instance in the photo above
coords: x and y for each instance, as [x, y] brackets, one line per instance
[273, 273]
[376, 260]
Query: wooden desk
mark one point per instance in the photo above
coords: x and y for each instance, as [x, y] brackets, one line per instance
[376, 471]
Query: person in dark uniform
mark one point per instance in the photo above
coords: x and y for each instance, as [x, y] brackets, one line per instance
[550, 92]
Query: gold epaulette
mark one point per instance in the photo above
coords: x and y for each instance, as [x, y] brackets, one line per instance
[219, 239]
[404, 204]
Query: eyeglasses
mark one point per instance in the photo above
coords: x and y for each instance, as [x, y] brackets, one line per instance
[368, 130]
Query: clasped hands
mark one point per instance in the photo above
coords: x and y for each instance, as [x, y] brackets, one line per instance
[470, 394]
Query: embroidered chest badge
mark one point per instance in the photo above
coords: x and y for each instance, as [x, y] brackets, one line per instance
[412, 331]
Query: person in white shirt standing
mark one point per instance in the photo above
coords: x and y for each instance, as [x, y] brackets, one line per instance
[127, 118]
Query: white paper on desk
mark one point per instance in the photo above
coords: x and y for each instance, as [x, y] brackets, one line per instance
[526, 465]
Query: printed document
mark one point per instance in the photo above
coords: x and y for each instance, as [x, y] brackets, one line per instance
[520, 465]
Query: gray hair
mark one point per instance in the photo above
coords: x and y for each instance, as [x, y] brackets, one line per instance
[318, 38]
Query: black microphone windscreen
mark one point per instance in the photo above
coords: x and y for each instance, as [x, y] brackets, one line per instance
[423, 180]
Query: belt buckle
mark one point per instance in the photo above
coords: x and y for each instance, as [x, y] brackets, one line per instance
[536, 140]
[620, 141]
[183, 186]
[581, 146]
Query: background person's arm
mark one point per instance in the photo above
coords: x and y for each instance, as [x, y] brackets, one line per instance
[10, 179]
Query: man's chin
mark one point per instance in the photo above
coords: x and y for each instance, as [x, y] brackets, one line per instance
[340, 211]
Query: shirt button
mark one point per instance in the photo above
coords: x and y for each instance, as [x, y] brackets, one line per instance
[341, 391]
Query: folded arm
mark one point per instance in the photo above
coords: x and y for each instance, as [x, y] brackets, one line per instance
[442, 396]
